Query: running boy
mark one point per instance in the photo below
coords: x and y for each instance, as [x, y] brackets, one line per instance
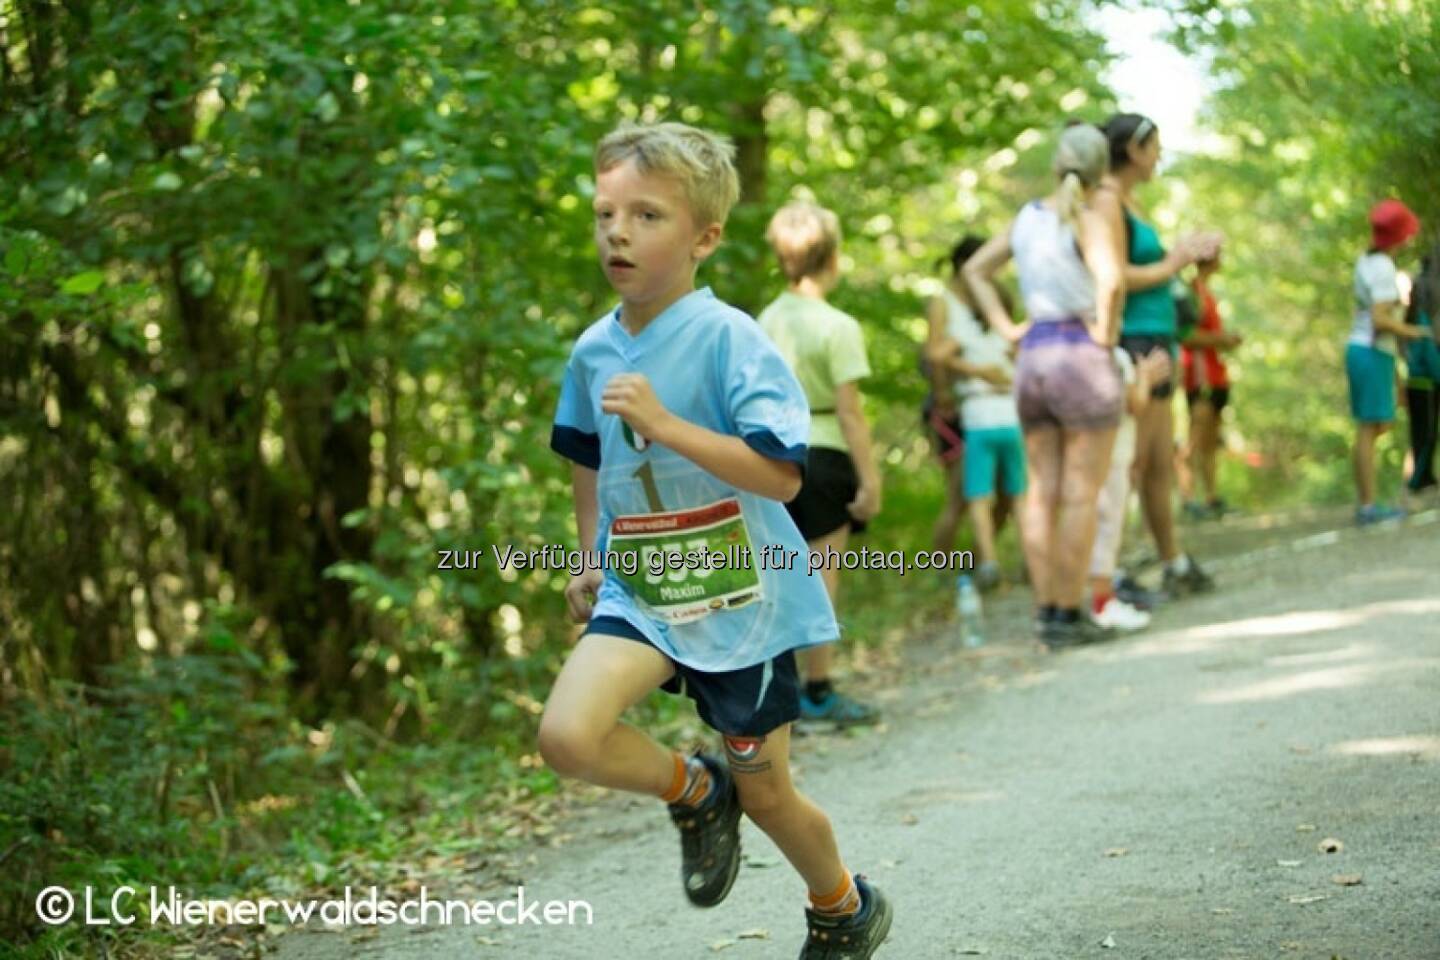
[687, 432]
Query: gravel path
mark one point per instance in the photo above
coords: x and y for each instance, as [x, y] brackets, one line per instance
[1164, 796]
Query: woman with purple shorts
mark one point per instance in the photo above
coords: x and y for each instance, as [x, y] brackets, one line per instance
[1067, 386]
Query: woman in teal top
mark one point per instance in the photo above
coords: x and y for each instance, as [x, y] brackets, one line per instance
[1148, 324]
[1149, 312]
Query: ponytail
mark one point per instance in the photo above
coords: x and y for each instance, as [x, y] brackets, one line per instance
[1081, 158]
[1070, 199]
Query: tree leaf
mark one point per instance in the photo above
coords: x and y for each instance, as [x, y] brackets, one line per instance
[83, 284]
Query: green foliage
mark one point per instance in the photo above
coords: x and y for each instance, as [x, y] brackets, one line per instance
[292, 288]
[1324, 108]
[285, 291]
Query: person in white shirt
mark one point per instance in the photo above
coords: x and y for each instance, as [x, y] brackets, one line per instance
[1373, 346]
[982, 363]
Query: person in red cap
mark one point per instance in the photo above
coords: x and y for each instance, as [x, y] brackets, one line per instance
[1374, 345]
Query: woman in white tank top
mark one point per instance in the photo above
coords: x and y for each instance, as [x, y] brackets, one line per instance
[1067, 388]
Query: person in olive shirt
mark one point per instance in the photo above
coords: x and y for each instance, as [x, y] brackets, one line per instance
[825, 349]
[1150, 323]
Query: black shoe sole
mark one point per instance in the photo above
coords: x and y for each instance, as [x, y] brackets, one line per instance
[887, 916]
[705, 898]
[724, 892]
[878, 936]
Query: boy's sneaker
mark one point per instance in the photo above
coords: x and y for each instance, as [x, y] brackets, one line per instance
[710, 838]
[1121, 617]
[987, 576]
[849, 938]
[1374, 513]
[836, 710]
[1059, 634]
[1190, 579]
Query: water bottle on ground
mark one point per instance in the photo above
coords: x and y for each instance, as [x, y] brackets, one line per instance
[968, 612]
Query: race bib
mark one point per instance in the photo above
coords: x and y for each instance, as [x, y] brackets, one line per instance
[690, 563]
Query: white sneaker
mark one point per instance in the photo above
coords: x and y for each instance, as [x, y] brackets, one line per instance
[1119, 615]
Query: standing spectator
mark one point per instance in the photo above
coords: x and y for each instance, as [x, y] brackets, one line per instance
[841, 491]
[1207, 389]
[1373, 346]
[965, 375]
[942, 411]
[983, 362]
[1151, 323]
[1067, 388]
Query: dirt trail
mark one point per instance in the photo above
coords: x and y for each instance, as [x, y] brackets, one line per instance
[1166, 794]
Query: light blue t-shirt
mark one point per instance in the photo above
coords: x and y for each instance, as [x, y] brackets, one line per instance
[710, 364]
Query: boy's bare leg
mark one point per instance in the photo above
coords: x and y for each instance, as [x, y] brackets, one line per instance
[816, 662]
[581, 735]
[768, 796]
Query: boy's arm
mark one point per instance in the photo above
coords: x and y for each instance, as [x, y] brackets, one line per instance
[729, 458]
[856, 431]
[583, 482]
[580, 592]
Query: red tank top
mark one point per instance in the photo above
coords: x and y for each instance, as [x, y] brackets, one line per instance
[1215, 373]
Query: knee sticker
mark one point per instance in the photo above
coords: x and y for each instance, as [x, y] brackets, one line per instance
[742, 752]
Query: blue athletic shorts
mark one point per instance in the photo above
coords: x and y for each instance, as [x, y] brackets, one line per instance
[749, 702]
[994, 458]
[1372, 383]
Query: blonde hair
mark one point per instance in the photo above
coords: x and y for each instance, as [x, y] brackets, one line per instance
[702, 161]
[805, 236]
[1082, 157]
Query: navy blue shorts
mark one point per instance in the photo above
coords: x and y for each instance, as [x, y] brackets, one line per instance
[749, 702]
